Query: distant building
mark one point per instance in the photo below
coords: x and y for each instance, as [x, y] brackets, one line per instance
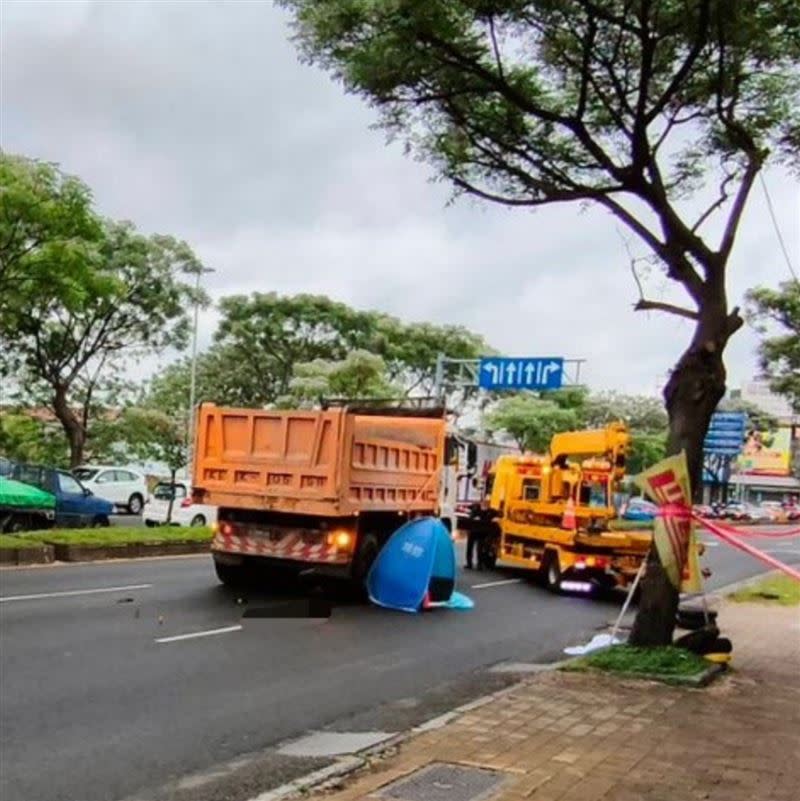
[767, 470]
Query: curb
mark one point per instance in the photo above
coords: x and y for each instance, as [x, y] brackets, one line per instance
[348, 764]
[67, 552]
[28, 555]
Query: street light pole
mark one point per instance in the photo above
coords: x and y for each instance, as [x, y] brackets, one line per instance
[193, 379]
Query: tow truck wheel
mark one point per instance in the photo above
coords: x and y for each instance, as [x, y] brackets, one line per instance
[551, 571]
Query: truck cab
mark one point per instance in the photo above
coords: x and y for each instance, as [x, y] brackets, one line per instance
[551, 512]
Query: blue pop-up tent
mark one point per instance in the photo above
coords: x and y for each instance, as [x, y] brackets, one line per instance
[416, 568]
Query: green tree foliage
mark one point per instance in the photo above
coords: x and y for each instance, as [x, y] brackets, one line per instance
[154, 435]
[530, 421]
[49, 236]
[360, 375]
[779, 352]
[638, 412]
[631, 105]
[647, 448]
[134, 300]
[262, 338]
[410, 351]
[24, 438]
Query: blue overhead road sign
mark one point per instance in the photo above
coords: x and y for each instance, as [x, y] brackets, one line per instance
[725, 435]
[526, 373]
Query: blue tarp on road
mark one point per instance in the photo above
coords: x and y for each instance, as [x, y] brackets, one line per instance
[417, 564]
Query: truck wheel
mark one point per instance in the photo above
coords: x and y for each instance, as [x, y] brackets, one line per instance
[17, 524]
[197, 521]
[150, 523]
[135, 503]
[551, 571]
[230, 575]
[367, 552]
[101, 521]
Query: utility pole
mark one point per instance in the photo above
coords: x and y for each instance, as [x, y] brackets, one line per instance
[193, 379]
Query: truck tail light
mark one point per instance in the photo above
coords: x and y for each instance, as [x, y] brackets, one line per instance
[600, 562]
[343, 540]
[226, 529]
[186, 503]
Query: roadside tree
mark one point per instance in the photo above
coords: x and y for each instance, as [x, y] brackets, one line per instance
[779, 353]
[635, 107]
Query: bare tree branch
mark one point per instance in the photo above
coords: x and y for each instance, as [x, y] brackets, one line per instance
[735, 216]
[657, 305]
[718, 203]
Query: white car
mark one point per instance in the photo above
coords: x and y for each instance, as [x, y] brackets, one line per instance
[184, 512]
[125, 488]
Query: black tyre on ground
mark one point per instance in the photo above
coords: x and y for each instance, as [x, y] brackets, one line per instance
[135, 504]
[198, 520]
[230, 575]
[366, 553]
[551, 571]
[17, 524]
[101, 521]
[150, 523]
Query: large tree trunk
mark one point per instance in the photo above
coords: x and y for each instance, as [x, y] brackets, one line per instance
[76, 433]
[693, 391]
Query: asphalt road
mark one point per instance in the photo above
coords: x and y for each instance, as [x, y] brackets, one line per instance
[103, 697]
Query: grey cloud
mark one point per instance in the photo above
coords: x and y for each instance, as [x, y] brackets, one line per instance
[197, 119]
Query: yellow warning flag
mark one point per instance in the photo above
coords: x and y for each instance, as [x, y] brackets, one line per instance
[667, 484]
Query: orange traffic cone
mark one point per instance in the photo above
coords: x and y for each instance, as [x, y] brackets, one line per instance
[568, 521]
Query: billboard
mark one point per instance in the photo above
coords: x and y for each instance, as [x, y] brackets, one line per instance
[767, 453]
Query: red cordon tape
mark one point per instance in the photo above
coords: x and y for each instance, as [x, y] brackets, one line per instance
[727, 536]
[731, 536]
[737, 532]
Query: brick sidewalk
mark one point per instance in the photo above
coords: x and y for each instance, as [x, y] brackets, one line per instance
[571, 737]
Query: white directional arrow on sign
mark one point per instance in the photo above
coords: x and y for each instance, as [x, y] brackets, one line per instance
[530, 372]
[492, 368]
[548, 369]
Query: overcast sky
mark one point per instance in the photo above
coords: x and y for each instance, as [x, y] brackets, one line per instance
[196, 119]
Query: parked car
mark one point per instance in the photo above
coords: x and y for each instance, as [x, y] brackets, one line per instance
[125, 488]
[640, 510]
[184, 512]
[758, 514]
[736, 511]
[76, 506]
[774, 511]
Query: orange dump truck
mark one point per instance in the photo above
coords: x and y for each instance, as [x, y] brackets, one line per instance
[314, 491]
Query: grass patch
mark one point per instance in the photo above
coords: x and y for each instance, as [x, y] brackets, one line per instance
[778, 589]
[630, 525]
[109, 537]
[663, 661]
[11, 541]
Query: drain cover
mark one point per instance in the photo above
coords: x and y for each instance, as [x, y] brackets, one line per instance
[444, 782]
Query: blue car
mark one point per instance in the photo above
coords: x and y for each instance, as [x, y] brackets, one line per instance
[76, 507]
[640, 510]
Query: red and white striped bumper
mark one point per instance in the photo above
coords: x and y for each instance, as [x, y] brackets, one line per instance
[291, 547]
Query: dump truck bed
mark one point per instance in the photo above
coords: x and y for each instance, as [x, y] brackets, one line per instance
[337, 462]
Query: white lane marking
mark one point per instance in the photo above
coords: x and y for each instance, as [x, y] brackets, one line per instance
[781, 550]
[495, 584]
[67, 593]
[193, 635]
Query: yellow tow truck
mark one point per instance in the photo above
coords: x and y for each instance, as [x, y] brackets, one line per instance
[552, 513]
